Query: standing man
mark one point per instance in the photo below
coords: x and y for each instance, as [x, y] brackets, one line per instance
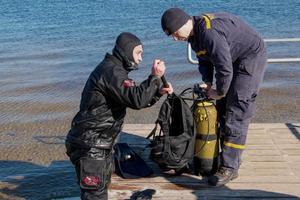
[227, 46]
[106, 95]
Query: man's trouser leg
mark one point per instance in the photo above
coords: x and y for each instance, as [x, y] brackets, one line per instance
[240, 107]
[221, 109]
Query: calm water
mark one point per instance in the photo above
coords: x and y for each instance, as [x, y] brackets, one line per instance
[60, 42]
[48, 49]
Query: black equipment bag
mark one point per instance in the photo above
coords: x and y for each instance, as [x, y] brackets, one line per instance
[173, 147]
[129, 164]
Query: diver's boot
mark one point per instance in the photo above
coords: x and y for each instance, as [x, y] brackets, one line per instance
[223, 176]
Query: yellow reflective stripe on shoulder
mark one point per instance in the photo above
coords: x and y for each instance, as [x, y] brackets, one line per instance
[235, 146]
[201, 52]
[207, 18]
[207, 22]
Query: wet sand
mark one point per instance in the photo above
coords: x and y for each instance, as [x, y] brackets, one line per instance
[30, 135]
[34, 131]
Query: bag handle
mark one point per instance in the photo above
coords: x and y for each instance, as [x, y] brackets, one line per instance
[152, 133]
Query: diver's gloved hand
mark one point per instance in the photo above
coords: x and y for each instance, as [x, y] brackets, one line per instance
[158, 68]
[143, 195]
[168, 90]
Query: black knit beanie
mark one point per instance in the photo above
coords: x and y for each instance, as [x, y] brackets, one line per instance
[173, 19]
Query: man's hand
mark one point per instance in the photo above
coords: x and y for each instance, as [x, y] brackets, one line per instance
[158, 68]
[168, 90]
[212, 94]
[205, 86]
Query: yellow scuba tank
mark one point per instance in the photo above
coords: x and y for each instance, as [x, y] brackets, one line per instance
[206, 145]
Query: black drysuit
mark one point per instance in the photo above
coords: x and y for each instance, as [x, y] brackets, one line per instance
[106, 95]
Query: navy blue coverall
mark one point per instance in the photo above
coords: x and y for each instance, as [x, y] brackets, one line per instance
[228, 47]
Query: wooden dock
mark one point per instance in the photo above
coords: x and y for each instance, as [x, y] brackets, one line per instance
[270, 169]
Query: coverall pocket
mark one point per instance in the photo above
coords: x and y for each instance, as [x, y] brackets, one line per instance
[239, 112]
[246, 68]
[246, 104]
[232, 127]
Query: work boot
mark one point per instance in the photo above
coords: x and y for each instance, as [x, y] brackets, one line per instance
[223, 176]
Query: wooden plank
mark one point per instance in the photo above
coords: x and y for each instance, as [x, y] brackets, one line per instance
[286, 141]
[194, 191]
[288, 146]
[281, 131]
[250, 148]
[259, 137]
[292, 158]
[251, 141]
[266, 172]
[264, 165]
[257, 131]
[267, 125]
[260, 146]
[188, 178]
[263, 158]
[262, 152]
[296, 169]
[286, 134]
[291, 152]
[199, 195]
